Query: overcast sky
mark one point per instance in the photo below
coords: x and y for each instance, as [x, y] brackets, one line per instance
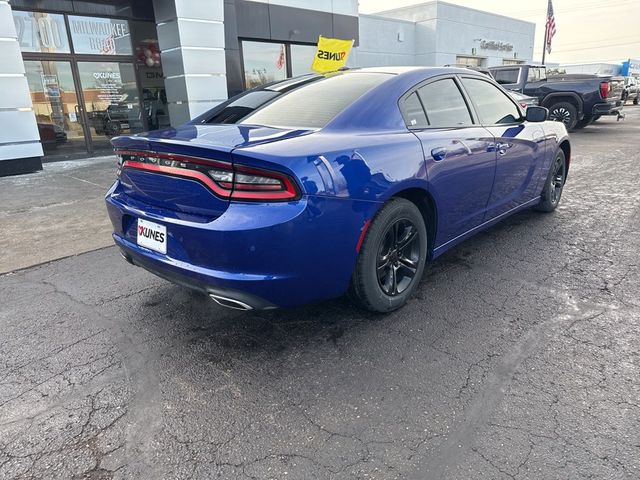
[586, 30]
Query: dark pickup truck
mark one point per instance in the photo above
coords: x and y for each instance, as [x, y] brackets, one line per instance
[576, 99]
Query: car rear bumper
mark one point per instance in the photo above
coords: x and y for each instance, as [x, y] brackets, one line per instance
[612, 108]
[262, 255]
[200, 279]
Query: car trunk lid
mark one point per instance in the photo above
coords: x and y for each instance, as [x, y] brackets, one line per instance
[169, 168]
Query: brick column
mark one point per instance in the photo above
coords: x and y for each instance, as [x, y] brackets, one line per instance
[191, 37]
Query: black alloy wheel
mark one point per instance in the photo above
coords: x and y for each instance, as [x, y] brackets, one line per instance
[398, 257]
[554, 185]
[391, 260]
[557, 180]
[564, 112]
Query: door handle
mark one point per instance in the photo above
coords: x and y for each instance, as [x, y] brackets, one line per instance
[439, 153]
[464, 145]
[502, 148]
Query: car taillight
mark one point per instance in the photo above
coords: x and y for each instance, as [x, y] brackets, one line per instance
[604, 90]
[227, 180]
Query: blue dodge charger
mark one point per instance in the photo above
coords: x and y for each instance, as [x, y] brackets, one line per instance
[305, 189]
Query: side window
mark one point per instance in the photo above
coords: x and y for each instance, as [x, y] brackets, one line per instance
[444, 104]
[505, 76]
[493, 106]
[413, 112]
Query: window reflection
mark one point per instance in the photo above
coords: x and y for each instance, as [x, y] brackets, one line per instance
[263, 63]
[55, 105]
[111, 100]
[302, 58]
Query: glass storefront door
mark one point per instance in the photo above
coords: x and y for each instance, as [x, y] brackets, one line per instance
[55, 104]
[111, 99]
[91, 78]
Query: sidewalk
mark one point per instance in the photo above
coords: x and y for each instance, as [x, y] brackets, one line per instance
[55, 213]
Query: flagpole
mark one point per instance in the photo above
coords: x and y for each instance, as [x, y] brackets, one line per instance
[544, 46]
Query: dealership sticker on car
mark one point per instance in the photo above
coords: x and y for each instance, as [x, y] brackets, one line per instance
[153, 236]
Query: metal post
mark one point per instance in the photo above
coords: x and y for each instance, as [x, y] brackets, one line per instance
[544, 47]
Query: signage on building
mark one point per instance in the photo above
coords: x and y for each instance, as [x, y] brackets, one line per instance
[110, 87]
[495, 45]
[631, 67]
[100, 36]
[41, 32]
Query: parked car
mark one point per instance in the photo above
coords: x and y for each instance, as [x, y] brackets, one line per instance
[524, 101]
[117, 118]
[475, 68]
[572, 99]
[51, 135]
[349, 181]
[631, 90]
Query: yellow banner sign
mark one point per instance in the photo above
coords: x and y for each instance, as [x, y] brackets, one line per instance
[331, 55]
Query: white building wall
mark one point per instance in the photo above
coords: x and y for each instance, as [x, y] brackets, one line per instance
[460, 30]
[384, 41]
[593, 68]
[441, 32]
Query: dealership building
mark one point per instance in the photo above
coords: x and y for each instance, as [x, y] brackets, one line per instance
[74, 73]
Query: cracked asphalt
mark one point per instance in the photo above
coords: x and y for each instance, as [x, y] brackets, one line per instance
[517, 359]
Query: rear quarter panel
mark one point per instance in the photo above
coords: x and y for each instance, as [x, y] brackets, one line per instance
[555, 133]
[368, 166]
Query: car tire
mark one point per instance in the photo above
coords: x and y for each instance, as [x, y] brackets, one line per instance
[587, 120]
[554, 184]
[635, 101]
[564, 112]
[386, 272]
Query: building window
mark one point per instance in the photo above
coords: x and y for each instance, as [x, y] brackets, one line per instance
[41, 32]
[85, 80]
[302, 58]
[472, 61]
[263, 62]
[511, 61]
[55, 104]
[100, 36]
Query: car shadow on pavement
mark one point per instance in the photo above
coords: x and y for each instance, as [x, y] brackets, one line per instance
[222, 334]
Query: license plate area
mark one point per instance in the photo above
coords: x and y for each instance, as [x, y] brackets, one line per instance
[152, 236]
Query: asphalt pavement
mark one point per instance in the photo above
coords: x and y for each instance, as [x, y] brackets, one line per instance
[517, 359]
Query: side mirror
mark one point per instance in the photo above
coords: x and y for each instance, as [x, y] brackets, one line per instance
[537, 114]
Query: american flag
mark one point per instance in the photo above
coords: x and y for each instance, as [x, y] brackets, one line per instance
[281, 60]
[551, 26]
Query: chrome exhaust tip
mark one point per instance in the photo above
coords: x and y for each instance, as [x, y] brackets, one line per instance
[127, 257]
[230, 302]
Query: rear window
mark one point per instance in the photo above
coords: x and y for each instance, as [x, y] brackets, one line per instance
[315, 104]
[239, 106]
[537, 74]
[506, 76]
[242, 106]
